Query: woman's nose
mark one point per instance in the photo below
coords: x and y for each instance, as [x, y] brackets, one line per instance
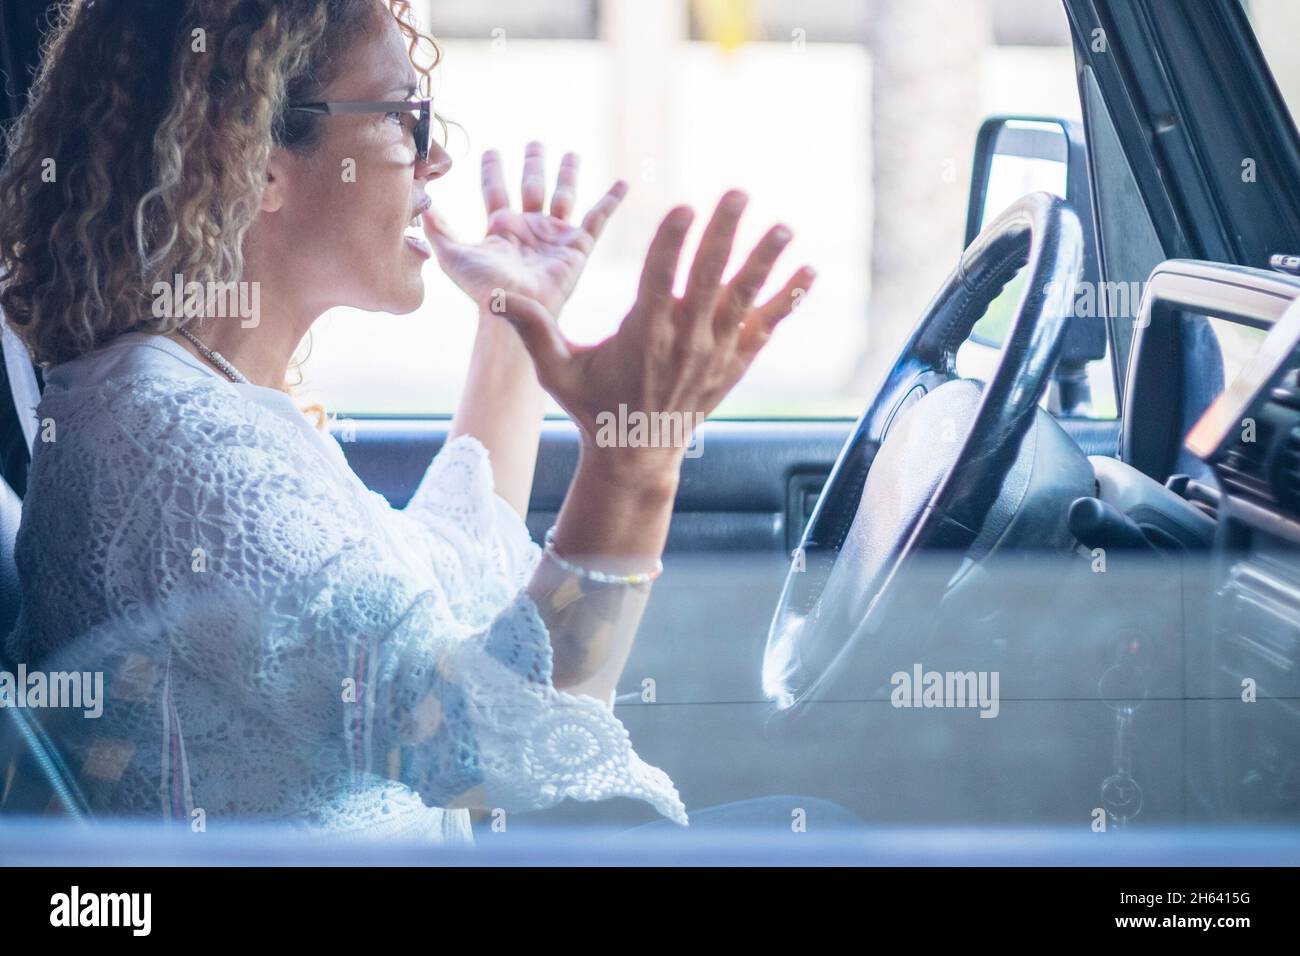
[436, 165]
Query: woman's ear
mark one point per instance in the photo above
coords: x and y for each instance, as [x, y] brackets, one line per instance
[277, 181]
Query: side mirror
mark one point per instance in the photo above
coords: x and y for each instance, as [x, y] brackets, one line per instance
[1015, 155]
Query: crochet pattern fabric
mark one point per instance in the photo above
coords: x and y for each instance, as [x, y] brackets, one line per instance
[277, 641]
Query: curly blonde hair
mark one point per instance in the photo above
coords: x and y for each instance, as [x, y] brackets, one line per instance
[137, 159]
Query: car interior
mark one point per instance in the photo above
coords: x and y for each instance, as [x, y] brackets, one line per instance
[1134, 581]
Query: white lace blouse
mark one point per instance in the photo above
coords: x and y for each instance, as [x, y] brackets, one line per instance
[277, 641]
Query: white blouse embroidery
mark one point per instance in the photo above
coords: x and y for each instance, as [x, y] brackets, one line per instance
[277, 641]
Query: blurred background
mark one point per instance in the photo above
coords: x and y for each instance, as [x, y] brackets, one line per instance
[853, 122]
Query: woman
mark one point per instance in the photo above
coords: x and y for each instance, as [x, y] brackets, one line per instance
[277, 641]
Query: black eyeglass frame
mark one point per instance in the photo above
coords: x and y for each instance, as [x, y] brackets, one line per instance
[423, 125]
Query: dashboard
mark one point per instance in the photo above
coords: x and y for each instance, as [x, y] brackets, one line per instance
[1221, 509]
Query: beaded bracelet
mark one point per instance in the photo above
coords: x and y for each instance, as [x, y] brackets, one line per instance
[600, 577]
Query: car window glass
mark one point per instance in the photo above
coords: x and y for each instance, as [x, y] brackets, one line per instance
[1276, 24]
[855, 129]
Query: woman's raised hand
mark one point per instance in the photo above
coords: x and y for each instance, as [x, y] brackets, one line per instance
[536, 253]
[670, 355]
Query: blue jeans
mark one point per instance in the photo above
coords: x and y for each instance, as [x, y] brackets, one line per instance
[760, 813]
[763, 814]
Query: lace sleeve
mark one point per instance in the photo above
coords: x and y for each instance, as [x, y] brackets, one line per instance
[312, 615]
[470, 536]
[477, 722]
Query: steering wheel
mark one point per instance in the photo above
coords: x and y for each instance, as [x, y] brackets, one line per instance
[925, 467]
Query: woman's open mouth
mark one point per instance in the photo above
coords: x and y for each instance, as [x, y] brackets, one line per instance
[414, 235]
[417, 245]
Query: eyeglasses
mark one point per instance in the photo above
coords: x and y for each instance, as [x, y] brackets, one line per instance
[423, 125]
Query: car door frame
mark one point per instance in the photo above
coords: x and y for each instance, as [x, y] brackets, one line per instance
[1184, 91]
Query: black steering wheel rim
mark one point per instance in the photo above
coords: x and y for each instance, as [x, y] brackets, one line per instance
[1040, 232]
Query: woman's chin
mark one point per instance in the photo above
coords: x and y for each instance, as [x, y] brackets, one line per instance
[409, 295]
[400, 298]
[410, 300]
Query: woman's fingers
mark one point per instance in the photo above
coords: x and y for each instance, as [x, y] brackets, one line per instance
[594, 222]
[437, 229]
[711, 258]
[540, 333]
[655, 294]
[533, 184]
[566, 187]
[745, 285]
[494, 183]
[763, 321]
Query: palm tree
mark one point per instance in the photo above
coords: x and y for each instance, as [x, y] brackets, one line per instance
[925, 101]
